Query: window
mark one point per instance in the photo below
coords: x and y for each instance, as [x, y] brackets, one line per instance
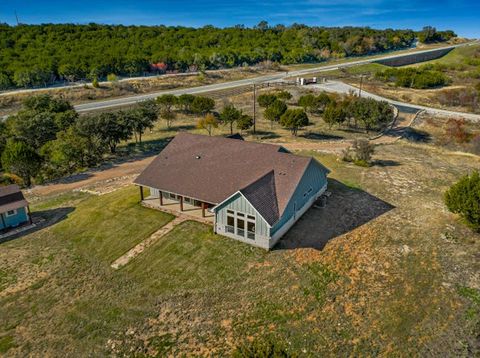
[250, 217]
[240, 227]
[231, 212]
[11, 213]
[241, 215]
[230, 224]
[251, 230]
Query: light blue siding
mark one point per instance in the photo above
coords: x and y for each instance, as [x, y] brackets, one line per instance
[240, 204]
[315, 178]
[15, 220]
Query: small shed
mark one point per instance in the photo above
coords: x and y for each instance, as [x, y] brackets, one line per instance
[14, 210]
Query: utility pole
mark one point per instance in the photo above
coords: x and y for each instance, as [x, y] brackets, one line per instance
[361, 83]
[254, 108]
[16, 17]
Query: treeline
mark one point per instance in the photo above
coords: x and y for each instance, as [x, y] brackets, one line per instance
[37, 55]
[430, 34]
[422, 77]
[47, 139]
[350, 111]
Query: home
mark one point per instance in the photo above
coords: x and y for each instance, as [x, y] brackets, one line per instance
[14, 210]
[252, 192]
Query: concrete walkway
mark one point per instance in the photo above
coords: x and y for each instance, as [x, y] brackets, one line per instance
[137, 250]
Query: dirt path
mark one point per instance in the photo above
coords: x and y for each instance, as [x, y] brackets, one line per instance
[117, 175]
[137, 250]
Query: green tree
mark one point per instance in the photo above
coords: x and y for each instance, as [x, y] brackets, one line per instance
[294, 119]
[5, 82]
[166, 104]
[245, 122]
[20, 159]
[230, 115]
[334, 114]
[463, 198]
[265, 100]
[140, 118]
[185, 102]
[65, 154]
[274, 111]
[202, 105]
[86, 127]
[284, 95]
[111, 77]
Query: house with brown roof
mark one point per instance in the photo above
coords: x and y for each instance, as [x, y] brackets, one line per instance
[13, 207]
[254, 192]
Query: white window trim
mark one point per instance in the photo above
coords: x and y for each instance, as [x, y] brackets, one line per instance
[14, 212]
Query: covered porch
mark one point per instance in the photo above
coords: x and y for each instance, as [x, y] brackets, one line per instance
[177, 204]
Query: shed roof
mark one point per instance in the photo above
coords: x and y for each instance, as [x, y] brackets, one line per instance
[211, 169]
[11, 198]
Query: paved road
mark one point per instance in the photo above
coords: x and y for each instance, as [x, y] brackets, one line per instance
[92, 106]
[340, 87]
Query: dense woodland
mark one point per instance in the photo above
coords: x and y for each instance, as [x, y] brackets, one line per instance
[38, 55]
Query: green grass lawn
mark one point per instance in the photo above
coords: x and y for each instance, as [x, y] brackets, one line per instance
[112, 224]
[388, 287]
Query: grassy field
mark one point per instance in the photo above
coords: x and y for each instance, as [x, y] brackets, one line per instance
[383, 270]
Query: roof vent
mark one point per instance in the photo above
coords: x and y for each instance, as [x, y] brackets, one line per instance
[197, 157]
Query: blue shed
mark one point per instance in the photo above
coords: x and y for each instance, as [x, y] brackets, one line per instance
[14, 209]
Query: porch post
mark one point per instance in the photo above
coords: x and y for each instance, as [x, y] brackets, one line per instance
[141, 192]
[29, 215]
[161, 198]
[181, 203]
[203, 209]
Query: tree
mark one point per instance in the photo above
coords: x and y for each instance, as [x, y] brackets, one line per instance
[185, 102]
[5, 82]
[40, 118]
[209, 122]
[111, 77]
[284, 95]
[167, 101]
[20, 159]
[202, 105]
[140, 118]
[166, 104]
[230, 115]
[274, 111]
[65, 154]
[244, 122]
[265, 100]
[463, 198]
[86, 127]
[95, 83]
[35, 129]
[334, 114]
[363, 150]
[294, 119]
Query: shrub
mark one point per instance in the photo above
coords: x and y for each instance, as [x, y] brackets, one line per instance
[455, 130]
[95, 83]
[360, 153]
[112, 77]
[463, 198]
[267, 348]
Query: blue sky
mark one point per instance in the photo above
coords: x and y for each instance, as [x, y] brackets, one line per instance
[463, 16]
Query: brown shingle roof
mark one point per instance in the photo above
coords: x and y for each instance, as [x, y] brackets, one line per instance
[11, 198]
[211, 169]
[261, 194]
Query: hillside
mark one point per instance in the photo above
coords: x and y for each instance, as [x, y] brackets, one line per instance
[37, 55]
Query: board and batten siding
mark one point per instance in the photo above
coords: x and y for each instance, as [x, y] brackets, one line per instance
[315, 177]
[12, 221]
[240, 204]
